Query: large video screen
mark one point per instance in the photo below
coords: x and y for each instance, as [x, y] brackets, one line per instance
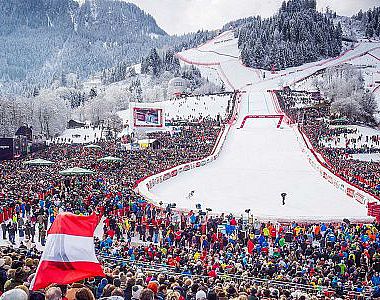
[147, 117]
[6, 148]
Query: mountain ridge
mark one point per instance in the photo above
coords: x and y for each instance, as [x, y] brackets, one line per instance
[92, 36]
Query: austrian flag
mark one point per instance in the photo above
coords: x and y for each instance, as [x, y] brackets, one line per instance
[69, 254]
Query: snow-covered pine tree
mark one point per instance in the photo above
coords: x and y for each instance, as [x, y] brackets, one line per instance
[152, 64]
[171, 62]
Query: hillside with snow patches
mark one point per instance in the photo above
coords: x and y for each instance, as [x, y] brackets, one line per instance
[54, 38]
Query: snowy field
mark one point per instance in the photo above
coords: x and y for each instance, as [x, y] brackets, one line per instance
[195, 107]
[341, 140]
[189, 108]
[80, 135]
[259, 162]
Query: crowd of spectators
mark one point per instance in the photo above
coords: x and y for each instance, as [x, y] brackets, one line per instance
[340, 257]
[299, 99]
[158, 252]
[161, 251]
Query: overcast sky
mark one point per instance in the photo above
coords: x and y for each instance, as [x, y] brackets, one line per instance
[182, 16]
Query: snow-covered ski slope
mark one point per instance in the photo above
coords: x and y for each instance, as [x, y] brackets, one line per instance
[223, 52]
[259, 161]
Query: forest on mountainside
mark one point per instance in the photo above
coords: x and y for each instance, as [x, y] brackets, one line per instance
[297, 34]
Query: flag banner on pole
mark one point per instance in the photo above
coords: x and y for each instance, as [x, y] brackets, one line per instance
[69, 254]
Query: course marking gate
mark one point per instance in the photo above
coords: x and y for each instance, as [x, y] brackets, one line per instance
[280, 117]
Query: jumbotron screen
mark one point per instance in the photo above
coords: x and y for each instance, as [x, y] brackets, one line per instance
[147, 117]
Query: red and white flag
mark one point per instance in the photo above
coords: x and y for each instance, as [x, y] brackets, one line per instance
[69, 254]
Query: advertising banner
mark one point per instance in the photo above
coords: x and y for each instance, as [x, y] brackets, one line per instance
[360, 198]
[350, 192]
